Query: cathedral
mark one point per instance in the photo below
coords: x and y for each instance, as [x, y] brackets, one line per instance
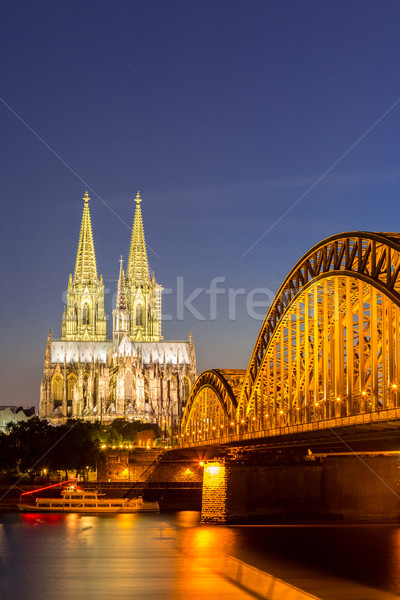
[136, 374]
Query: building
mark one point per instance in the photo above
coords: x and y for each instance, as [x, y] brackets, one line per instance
[14, 414]
[136, 374]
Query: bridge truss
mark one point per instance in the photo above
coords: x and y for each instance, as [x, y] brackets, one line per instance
[328, 351]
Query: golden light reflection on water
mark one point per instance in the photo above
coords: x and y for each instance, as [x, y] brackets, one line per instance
[166, 556]
[126, 520]
[86, 556]
[202, 552]
[72, 520]
[394, 563]
[187, 518]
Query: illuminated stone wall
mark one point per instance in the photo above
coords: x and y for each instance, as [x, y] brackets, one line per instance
[125, 465]
[215, 493]
[137, 465]
[176, 473]
[338, 488]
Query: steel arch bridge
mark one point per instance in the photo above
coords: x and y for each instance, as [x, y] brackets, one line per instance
[327, 354]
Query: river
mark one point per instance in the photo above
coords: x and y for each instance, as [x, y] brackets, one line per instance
[171, 556]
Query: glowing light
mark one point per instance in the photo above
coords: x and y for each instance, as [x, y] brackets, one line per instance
[281, 412]
[337, 399]
[213, 469]
[364, 393]
[201, 464]
[394, 386]
[103, 446]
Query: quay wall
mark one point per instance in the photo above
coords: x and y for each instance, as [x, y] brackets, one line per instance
[333, 489]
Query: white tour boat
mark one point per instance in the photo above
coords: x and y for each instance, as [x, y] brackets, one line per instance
[77, 500]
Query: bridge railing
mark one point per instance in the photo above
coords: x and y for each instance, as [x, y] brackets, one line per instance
[380, 416]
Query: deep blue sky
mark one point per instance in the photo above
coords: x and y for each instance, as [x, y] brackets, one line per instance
[222, 113]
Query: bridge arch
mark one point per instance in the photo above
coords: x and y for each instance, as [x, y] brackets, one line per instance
[211, 408]
[345, 293]
[329, 346]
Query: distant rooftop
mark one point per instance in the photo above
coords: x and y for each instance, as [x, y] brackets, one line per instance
[15, 409]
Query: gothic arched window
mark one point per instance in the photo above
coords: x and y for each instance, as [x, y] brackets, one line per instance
[71, 387]
[85, 314]
[58, 388]
[139, 316]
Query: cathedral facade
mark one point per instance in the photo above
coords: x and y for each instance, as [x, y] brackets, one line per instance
[136, 374]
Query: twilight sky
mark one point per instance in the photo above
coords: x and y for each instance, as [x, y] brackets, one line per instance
[223, 114]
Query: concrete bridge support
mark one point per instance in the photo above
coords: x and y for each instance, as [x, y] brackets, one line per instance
[338, 489]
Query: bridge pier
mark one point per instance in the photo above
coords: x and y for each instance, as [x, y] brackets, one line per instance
[329, 489]
[214, 501]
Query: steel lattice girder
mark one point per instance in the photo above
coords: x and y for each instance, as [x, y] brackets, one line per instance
[332, 333]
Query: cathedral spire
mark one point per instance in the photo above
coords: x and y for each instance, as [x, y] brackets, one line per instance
[84, 317]
[120, 313]
[143, 294]
[85, 266]
[121, 296]
[138, 267]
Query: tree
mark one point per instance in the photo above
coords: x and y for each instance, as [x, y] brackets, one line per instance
[8, 455]
[124, 431]
[32, 441]
[76, 450]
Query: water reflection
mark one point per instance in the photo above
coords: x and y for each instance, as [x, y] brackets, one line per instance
[201, 557]
[170, 556]
[393, 563]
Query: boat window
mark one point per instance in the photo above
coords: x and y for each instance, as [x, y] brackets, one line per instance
[104, 505]
[77, 497]
[44, 504]
[67, 497]
[117, 504]
[66, 504]
[90, 497]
